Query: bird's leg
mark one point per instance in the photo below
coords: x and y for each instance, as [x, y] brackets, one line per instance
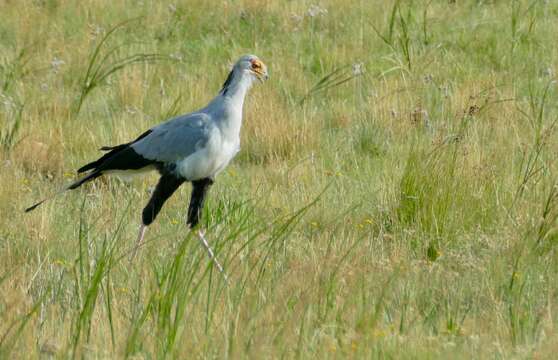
[139, 241]
[199, 191]
[201, 236]
[167, 185]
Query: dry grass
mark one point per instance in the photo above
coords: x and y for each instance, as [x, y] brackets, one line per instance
[409, 212]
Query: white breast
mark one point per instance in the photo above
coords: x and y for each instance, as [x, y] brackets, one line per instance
[210, 160]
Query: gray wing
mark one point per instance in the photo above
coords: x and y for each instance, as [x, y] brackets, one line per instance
[176, 139]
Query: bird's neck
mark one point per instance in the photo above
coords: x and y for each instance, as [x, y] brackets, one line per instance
[235, 88]
[229, 103]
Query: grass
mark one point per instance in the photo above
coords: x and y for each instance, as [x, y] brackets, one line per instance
[395, 195]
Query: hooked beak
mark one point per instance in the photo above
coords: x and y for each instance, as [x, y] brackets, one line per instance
[261, 73]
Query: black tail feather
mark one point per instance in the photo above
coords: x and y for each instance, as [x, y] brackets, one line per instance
[31, 208]
[125, 158]
[84, 179]
[199, 191]
[109, 148]
[166, 186]
[119, 157]
[99, 162]
[112, 151]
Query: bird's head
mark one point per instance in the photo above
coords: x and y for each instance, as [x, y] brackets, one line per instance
[246, 70]
[251, 65]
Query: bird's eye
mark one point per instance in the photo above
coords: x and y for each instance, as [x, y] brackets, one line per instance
[256, 65]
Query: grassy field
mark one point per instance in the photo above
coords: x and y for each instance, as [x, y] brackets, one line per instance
[396, 195]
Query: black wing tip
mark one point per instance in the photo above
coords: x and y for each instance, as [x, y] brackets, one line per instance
[31, 208]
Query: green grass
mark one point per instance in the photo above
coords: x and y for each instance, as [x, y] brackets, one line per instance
[396, 195]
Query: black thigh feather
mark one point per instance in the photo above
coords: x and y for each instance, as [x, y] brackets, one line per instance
[199, 191]
[167, 185]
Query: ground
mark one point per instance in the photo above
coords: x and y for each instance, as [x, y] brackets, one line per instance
[395, 195]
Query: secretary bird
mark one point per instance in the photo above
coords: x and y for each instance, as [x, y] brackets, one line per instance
[189, 148]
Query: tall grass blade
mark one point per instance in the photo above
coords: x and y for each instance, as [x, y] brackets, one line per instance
[100, 67]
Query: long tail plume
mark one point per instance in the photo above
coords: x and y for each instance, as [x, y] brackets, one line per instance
[72, 186]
